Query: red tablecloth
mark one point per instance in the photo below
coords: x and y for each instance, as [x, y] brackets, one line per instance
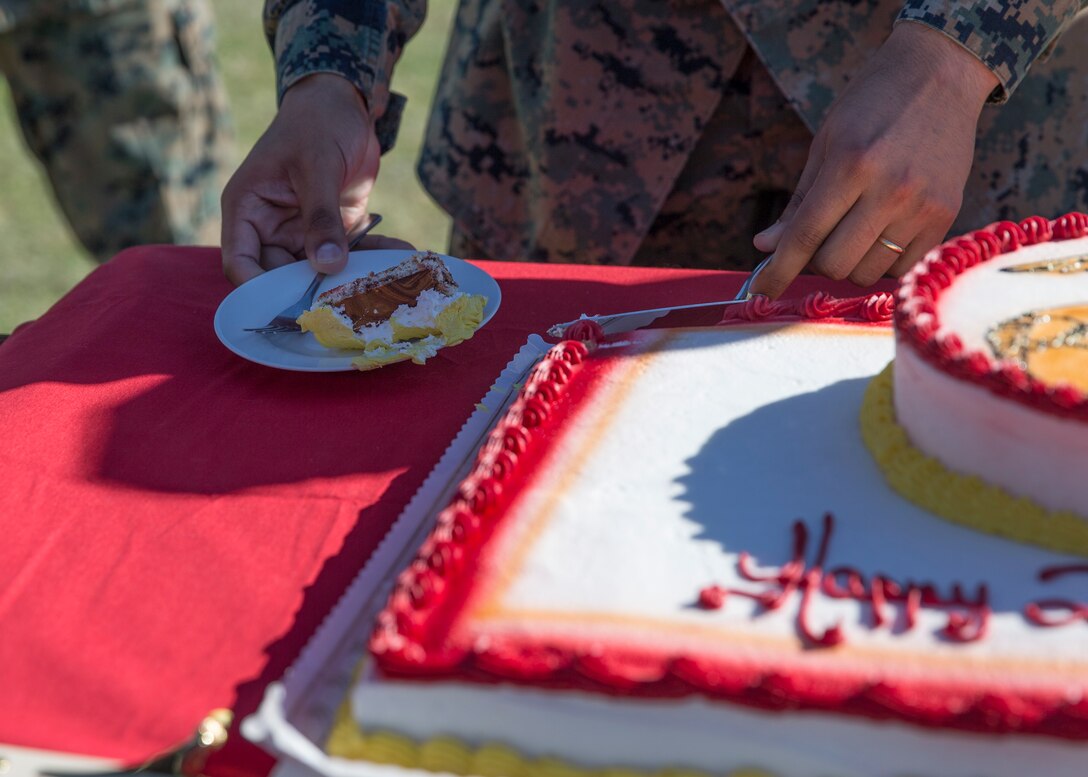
[177, 521]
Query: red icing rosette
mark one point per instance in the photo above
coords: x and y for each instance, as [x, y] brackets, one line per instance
[875, 308]
[818, 305]
[584, 330]
[918, 322]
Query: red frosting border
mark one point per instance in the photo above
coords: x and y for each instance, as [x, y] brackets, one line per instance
[411, 634]
[876, 308]
[918, 322]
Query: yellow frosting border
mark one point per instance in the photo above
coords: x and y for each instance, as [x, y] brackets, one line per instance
[962, 499]
[452, 756]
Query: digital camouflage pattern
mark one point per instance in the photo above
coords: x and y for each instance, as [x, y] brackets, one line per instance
[358, 40]
[121, 103]
[1007, 36]
[14, 12]
[669, 132]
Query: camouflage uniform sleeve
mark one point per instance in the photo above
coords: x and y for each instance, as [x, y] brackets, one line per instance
[358, 39]
[1006, 35]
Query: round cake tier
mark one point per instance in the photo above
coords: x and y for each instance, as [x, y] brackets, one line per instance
[991, 369]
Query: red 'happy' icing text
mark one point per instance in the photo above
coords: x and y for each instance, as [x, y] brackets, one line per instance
[1039, 612]
[968, 616]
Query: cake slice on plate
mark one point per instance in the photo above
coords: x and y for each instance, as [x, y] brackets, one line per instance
[407, 311]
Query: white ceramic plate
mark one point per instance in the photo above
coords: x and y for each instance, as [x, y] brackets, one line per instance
[255, 303]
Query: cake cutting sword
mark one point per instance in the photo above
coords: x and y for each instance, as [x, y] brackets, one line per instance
[636, 319]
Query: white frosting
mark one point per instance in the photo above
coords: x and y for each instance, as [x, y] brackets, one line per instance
[683, 460]
[974, 431]
[426, 309]
[380, 332]
[971, 430]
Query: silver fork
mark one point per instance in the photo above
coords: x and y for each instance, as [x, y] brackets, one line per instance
[286, 319]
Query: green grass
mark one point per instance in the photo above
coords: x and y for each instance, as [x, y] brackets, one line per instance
[40, 260]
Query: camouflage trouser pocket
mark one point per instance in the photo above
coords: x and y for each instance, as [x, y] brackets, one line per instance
[126, 113]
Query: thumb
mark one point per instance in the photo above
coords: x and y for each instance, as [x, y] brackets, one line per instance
[326, 240]
[768, 239]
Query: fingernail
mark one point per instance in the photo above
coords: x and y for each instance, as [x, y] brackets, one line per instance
[328, 253]
[771, 228]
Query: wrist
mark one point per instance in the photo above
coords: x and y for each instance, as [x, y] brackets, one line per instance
[325, 89]
[954, 69]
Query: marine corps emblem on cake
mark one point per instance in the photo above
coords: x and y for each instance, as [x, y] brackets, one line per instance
[1051, 345]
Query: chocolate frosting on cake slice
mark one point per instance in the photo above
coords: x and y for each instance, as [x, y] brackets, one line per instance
[374, 297]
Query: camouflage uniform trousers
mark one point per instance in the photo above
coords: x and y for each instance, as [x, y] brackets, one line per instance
[736, 181]
[1031, 157]
[126, 112]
